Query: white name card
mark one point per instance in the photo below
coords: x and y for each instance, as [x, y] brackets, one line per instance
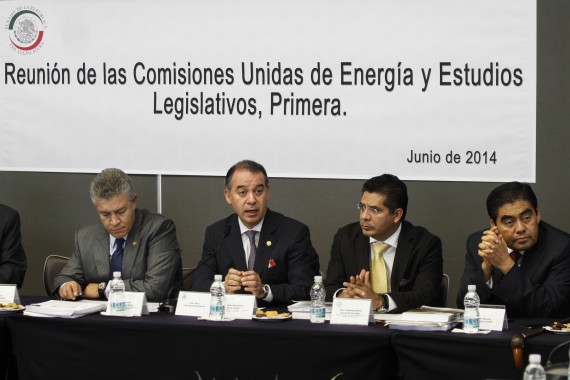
[493, 317]
[193, 304]
[135, 305]
[351, 311]
[9, 293]
[240, 306]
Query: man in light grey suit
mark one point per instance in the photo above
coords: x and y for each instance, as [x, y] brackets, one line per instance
[140, 244]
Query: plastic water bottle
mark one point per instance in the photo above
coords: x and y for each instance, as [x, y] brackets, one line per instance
[471, 314]
[534, 370]
[217, 299]
[318, 292]
[117, 294]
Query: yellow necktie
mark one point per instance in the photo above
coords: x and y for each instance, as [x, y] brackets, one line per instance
[379, 273]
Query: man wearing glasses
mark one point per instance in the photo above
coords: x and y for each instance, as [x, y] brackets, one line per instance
[383, 257]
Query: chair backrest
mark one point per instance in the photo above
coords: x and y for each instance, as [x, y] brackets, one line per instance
[188, 277]
[52, 267]
[444, 290]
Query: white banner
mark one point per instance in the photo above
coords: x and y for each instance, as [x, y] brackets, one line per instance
[424, 89]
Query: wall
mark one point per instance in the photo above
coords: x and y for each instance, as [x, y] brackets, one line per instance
[53, 205]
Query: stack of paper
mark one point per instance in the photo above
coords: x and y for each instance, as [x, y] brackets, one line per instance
[425, 318]
[302, 310]
[65, 309]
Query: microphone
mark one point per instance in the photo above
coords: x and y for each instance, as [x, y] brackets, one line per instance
[170, 304]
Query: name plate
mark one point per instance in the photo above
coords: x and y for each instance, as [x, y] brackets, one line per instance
[351, 311]
[9, 293]
[135, 305]
[493, 317]
[193, 304]
[240, 306]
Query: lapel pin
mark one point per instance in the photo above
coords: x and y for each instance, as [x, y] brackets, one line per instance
[268, 243]
[134, 243]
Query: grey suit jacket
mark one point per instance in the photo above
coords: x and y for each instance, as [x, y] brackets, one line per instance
[151, 261]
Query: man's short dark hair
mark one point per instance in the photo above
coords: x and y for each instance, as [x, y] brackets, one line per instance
[248, 165]
[509, 193]
[392, 188]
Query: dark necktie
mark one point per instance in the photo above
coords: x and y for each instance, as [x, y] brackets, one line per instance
[252, 249]
[515, 256]
[117, 258]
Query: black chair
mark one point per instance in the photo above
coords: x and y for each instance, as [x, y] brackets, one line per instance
[52, 267]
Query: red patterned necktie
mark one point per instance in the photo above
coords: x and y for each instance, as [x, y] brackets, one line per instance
[515, 256]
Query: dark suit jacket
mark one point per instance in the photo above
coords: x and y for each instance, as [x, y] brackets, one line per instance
[151, 259]
[283, 240]
[416, 274]
[12, 256]
[540, 287]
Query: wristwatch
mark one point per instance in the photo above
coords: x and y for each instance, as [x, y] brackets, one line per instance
[385, 301]
[101, 289]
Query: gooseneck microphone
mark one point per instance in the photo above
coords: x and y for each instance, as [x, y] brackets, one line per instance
[170, 304]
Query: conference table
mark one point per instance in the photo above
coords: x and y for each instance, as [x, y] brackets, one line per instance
[446, 355]
[166, 346]
[163, 345]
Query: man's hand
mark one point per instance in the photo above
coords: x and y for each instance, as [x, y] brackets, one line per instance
[232, 282]
[70, 290]
[494, 252]
[359, 286]
[91, 291]
[248, 280]
[251, 282]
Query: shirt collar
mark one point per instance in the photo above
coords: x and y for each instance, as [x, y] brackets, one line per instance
[243, 228]
[112, 240]
[392, 241]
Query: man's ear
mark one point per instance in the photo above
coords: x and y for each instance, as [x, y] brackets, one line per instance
[398, 214]
[492, 222]
[227, 196]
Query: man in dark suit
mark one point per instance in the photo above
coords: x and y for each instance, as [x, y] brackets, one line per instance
[139, 244]
[520, 262]
[258, 251]
[12, 256]
[384, 258]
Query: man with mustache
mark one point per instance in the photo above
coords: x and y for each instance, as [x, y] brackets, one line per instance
[383, 257]
[138, 243]
[521, 262]
[258, 251]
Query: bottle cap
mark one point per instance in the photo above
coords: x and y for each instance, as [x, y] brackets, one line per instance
[471, 288]
[217, 277]
[116, 274]
[534, 358]
[318, 278]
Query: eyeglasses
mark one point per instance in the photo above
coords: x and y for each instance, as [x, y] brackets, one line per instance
[372, 210]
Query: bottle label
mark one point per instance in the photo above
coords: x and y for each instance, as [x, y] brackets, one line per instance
[472, 322]
[318, 312]
[217, 309]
